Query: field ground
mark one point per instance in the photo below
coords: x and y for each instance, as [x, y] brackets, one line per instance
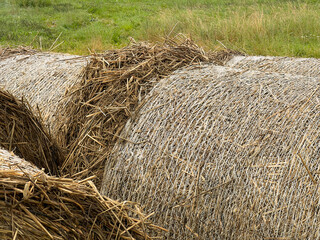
[257, 27]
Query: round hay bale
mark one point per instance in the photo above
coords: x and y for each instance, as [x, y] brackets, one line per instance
[35, 206]
[41, 78]
[296, 66]
[221, 153]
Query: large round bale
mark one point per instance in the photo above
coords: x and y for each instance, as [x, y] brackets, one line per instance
[297, 66]
[219, 153]
[41, 78]
[35, 206]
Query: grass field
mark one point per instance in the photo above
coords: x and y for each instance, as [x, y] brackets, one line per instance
[259, 27]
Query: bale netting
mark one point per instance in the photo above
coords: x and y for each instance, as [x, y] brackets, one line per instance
[219, 153]
[22, 132]
[115, 83]
[34, 205]
[41, 78]
[297, 66]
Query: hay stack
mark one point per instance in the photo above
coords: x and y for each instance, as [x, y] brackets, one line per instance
[22, 132]
[41, 78]
[297, 66]
[36, 206]
[219, 153]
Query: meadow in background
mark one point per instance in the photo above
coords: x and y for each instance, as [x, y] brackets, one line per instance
[257, 27]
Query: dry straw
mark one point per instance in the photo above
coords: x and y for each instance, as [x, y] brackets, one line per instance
[38, 206]
[114, 84]
[7, 52]
[220, 153]
[103, 92]
[22, 132]
[34, 205]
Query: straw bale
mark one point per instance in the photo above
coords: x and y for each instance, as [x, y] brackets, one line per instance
[42, 78]
[221, 153]
[114, 84]
[34, 206]
[24, 134]
[297, 66]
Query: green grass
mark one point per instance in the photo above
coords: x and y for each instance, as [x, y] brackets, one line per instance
[258, 27]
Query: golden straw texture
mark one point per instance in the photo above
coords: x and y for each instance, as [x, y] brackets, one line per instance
[34, 206]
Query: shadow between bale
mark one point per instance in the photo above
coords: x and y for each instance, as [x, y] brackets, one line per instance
[24, 134]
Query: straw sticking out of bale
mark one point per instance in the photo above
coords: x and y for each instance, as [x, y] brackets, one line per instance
[220, 153]
[7, 52]
[114, 84]
[22, 132]
[36, 206]
[297, 66]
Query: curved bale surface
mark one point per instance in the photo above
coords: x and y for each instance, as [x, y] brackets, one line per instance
[218, 153]
[35, 206]
[297, 66]
[42, 78]
[10, 162]
[24, 134]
